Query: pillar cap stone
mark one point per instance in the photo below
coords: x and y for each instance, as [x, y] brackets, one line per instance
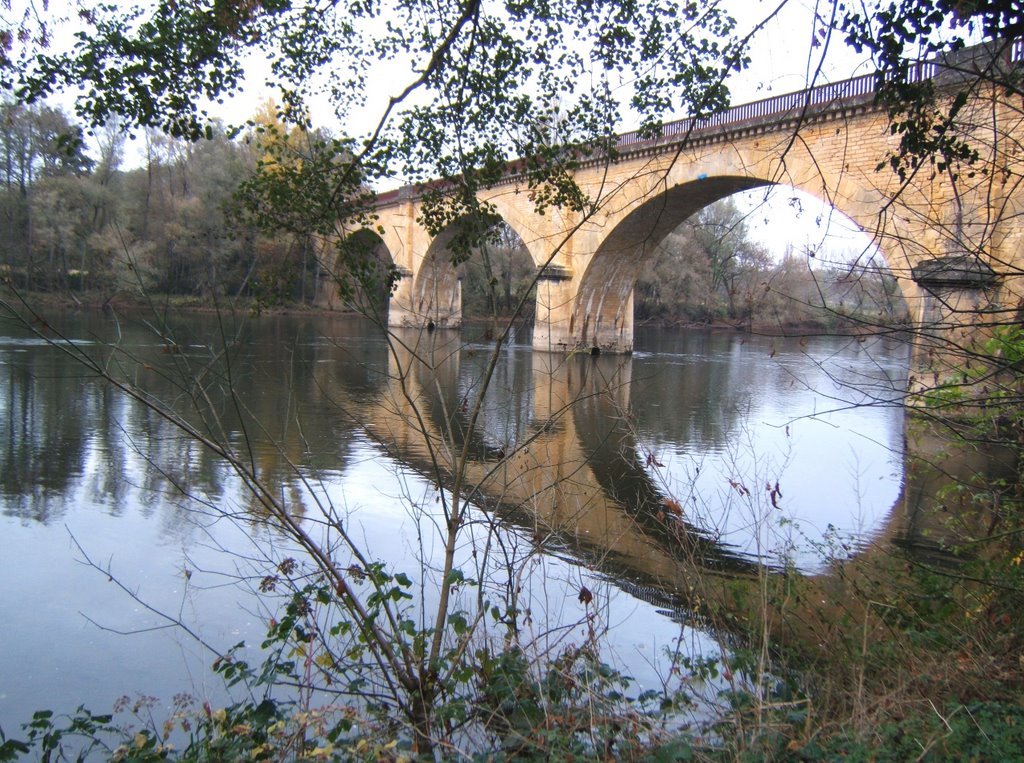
[554, 273]
[958, 270]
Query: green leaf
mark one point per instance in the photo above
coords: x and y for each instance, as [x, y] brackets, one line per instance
[458, 622]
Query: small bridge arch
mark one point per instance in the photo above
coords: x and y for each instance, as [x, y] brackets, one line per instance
[358, 274]
[429, 293]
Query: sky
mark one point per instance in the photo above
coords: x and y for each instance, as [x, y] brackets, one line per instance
[785, 60]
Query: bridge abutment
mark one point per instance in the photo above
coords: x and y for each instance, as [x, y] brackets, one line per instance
[959, 308]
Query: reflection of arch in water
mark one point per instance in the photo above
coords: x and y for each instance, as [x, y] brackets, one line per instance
[581, 488]
[546, 485]
[601, 419]
[450, 375]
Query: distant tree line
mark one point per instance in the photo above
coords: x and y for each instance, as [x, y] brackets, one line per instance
[171, 226]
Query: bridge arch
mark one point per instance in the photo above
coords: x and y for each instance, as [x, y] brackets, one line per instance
[602, 316]
[357, 274]
[602, 313]
[430, 292]
[541, 234]
[436, 288]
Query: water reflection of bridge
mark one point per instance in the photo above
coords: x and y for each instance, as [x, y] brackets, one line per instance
[577, 482]
[580, 487]
[564, 464]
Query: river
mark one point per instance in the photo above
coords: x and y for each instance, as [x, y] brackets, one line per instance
[755, 450]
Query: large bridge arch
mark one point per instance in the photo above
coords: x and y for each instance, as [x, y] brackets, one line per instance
[602, 314]
[436, 289]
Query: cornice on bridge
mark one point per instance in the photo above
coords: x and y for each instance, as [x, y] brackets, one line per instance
[552, 272]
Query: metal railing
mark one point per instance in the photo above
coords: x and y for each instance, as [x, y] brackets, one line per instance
[816, 99]
[757, 110]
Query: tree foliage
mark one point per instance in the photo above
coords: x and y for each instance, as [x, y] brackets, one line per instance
[173, 226]
[497, 276]
[479, 83]
[42, 166]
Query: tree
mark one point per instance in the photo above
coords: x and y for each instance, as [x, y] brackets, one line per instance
[710, 267]
[38, 145]
[497, 276]
[294, 166]
[476, 69]
[37, 142]
[676, 282]
[721, 232]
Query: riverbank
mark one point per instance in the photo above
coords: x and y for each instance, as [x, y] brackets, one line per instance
[834, 325]
[70, 300]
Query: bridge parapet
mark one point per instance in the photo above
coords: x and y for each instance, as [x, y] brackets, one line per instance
[849, 93]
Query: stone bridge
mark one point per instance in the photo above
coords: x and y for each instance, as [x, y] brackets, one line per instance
[947, 238]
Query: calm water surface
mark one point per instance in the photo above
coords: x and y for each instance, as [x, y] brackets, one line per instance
[711, 449]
